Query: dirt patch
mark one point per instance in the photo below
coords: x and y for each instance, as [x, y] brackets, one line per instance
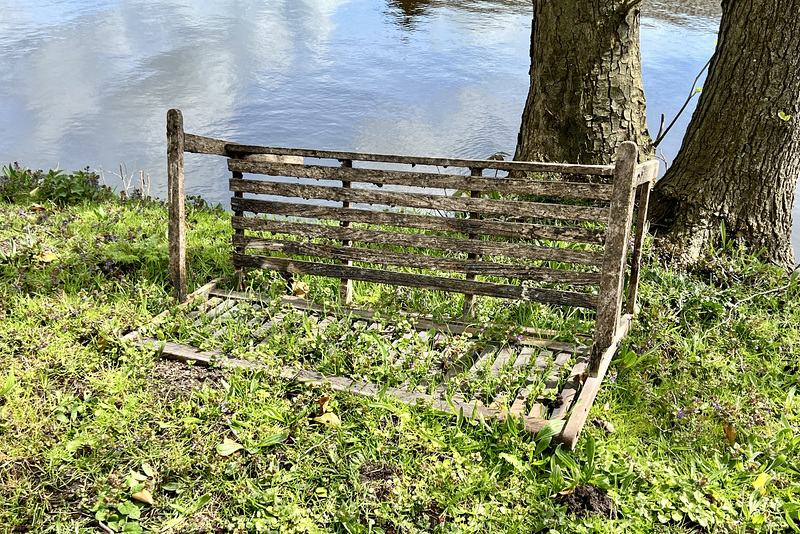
[587, 500]
[373, 471]
[171, 380]
[379, 479]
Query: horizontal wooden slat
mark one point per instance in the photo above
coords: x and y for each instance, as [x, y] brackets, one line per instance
[452, 244]
[204, 145]
[519, 186]
[517, 230]
[646, 172]
[524, 166]
[435, 283]
[421, 201]
[485, 268]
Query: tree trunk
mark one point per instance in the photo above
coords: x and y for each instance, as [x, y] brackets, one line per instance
[586, 95]
[740, 157]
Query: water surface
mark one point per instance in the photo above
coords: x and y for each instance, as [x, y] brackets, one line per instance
[89, 82]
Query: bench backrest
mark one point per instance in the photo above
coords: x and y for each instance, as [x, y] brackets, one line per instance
[519, 230]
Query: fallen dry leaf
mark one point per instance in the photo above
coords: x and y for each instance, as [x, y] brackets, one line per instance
[323, 404]
[143, 496]
[730, 432]
[48, 257]
[761, 482]
[37, 207]
[328, 419]
[300, 289]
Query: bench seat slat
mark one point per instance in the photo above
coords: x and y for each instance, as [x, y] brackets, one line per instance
[451, 244]
[594, 236]
[436, 283]
[485, 268]
[519, 186]
[422, 201]
[234, 149]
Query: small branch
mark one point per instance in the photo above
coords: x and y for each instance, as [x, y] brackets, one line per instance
[627, 6]
[329, 436]
[691, 95]
[660, 128]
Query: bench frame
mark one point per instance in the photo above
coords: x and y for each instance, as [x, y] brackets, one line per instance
[630, 186]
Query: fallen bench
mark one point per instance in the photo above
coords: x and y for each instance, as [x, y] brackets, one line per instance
[534, 232]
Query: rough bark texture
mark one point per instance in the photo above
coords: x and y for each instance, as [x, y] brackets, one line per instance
[740, 158]
[586, 95]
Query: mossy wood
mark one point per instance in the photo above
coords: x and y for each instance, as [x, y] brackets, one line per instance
[459, 225]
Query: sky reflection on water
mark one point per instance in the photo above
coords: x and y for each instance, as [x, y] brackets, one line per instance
[89, 82]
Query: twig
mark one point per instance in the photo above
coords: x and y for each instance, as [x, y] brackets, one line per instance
[318, 444]
[663, 158]
[689, 99]
[105, 528]
[660, 128]
[627, 6]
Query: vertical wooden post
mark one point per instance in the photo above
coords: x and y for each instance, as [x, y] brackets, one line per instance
[612, 278]
[176, 199]
[638, 242]
[240, 271]
[469, 300]
[346, 287]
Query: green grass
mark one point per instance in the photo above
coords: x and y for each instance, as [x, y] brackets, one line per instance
[702, 398]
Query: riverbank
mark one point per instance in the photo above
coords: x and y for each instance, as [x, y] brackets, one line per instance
[696, 430]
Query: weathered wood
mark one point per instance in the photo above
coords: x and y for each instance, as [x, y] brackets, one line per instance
[576, 378]
[650, 172]
[567, 298]
[498, 228]
[464, 225]
[531, 337]
[177, 203]
[616, 253]
[517, 208]
[474, 182]
[647, 172]
[198, 144]
[419, 261]
[468, 309]
[638, 246]
[580, 411]
[240, 273]
[346, 286]
[451, 244]
[521, 166]
[550, 383]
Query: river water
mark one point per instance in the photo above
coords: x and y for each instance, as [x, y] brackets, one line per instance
[88, 82]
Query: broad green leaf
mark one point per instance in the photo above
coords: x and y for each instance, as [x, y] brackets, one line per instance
[9, 385]
[513, 460]
[549, 430]
[228, 447]
[127, 508]
[202, 501]
[148, 469]
[274, 439]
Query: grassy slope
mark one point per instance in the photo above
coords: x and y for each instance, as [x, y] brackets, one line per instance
[707, 436]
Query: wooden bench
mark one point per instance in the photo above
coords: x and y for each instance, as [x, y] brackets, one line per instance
[542, 232]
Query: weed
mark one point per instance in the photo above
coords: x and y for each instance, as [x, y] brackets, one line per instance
[704, 405]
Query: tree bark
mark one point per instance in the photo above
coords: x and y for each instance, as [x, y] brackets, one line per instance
[740, 157]
[586, 95]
